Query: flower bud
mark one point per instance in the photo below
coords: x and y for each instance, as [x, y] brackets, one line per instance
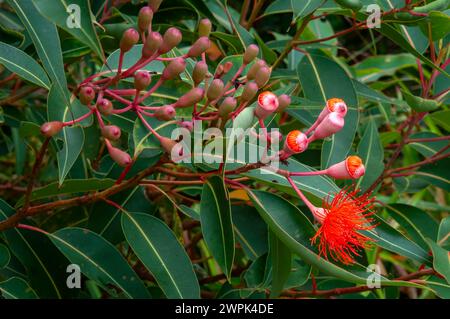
[201, 45]
[172, 37]
[283, 102]
[190, 98]
[170, 146]
[152, 44]
[250, 53]
[154, 4]
[350, 168]
[262, 76]
[165, 113]
[87, 94]
[255, 68]
[175, 68]
[129, 38]
[296, 142]
[142, 79]
[105, 107]
[204, 28]
[267, 104]
[215, 89]
[249, 92]
[199, 72]
[227, 67]
[120, 157]
[331, 124]
[227, 106]
[187, 125]
[111, 132]
[333, 105]
[50, 129]
[145, 17]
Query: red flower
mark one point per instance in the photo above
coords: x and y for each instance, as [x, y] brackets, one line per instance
[341, 220]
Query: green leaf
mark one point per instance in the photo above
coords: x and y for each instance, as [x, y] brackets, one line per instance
[420, 104]
[75, 20]
[17, 288]
[443, 238]
[46, 41]
[439, 286]
[5, 256]
[438, 23]
[321, 79]
[301, 9]
[281, 264]
[441, 259]
[216, 221]
[161, 253]
[370, 94]
[73, 144]
[372, 153]
[23, 65]
[437, 173]
[98, 260]
[427, 149]
[441, 118]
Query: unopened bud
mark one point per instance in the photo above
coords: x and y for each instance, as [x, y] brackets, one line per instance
[296, 142]
[350, 168]
[227, 106]
[331, 124]
[250, 53]
[111, 132]
[249, 92]
[129, 38]
[172, 37]
[165, 113]
[145, 18]
[152, 44]
[142, 79]
[167, 144]
[199, 72]
[283, 102]
[267, 104]
[187, 125]
[190, 98]
[215, 89]
[262, 76]
[227, 67]
[175, 68]
[204, 28]
[105, 107]
[255, 68]
[120, 157]
[154, 4]
[50, 129]
[333, 105]
[201, 45]
[87, 94]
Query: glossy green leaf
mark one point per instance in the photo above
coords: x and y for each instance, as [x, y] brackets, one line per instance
[443, 238]
[161, 253]
[441, 118]
[23, 65]
[437, 173]
[428, 148]
[281, 264]
[16, 288]
[437, 24]
[73, 144]
[4, 256]
[441, 259]
[216, 221]
[301, 9]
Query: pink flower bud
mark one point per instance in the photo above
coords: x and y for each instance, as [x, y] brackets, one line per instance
[187, 125]
[105, 106]
[333, 105]
[331, 124]
[167, 144]
[199, 72]
[204, 28]
[227, 106]
[192, 97]
[262, 76]
[255, 68]
[267, 104]
[87, 95]
[129, 38]
[172, 37]
[296, 142]
[145, 17]
[250, 53]
[154, 4]
[350, 168]
[201, 45]
[152, 44]
[165, 113]
[227, 67]
[249, 92]
[50, 129]
[111, 132]
[120, 157]
[142, 79]
[175, 68]
[283, 102]
[215, 89]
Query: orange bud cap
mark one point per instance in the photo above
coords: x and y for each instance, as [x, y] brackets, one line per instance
[296, 142]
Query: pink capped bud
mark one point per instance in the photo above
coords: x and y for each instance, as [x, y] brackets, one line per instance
[120, 157]
[333, 105]
[87, 95]
[199, 72]
[172, 37]
[145, 18]
[331, 124]
[249, 92]
[227, 106]
[111, 132]
[167, 144]
[267, 104]
[283, 102]
[152, 44]
[262, 76]
[296, 142]
[154, 4]
[50, 129]
[255, 68]
[204, 28]
[227, 67]
[201, 45]
[142, 79]
[192, 97]
[129, 38]
[215, 89]
[105, 106]
[165, 113]
[350, 168]
[250, 53]
[175, 68]
[187, 125]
